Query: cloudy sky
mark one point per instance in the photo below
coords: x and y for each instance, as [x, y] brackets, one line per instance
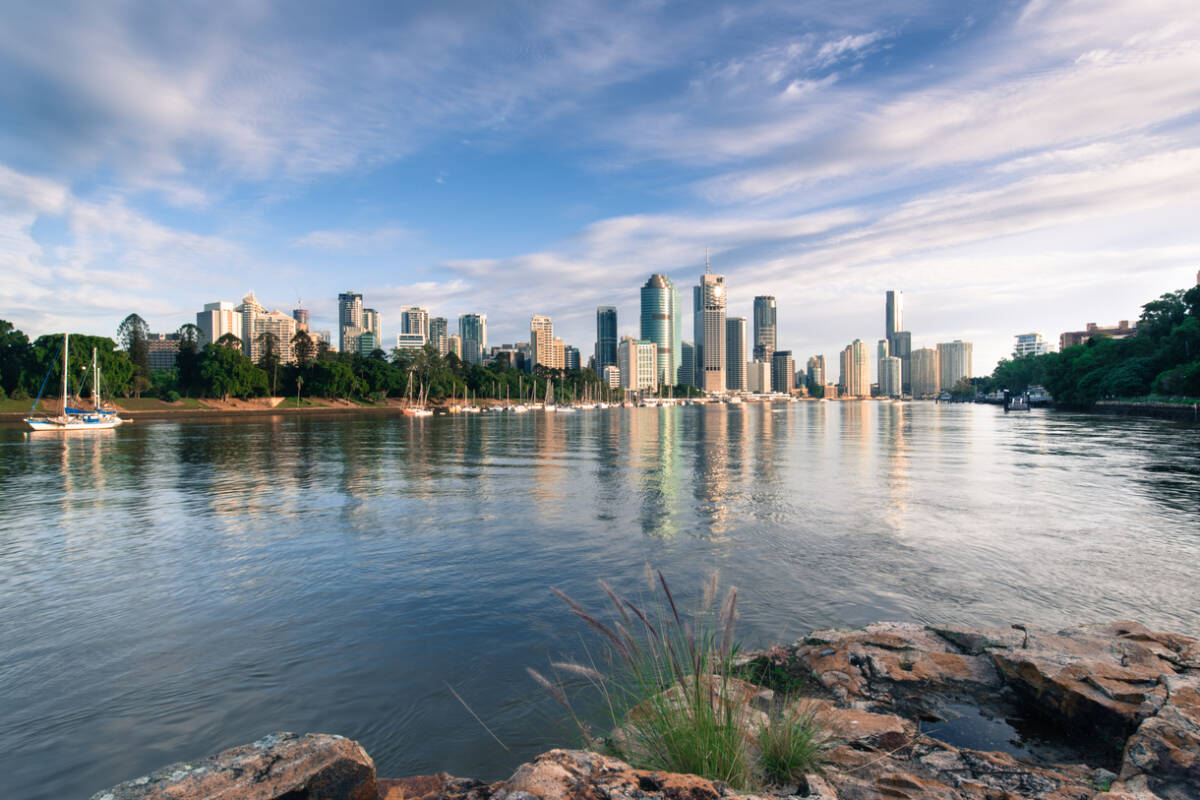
[1011, 166]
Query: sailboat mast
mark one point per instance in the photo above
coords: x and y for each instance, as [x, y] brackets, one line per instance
[95, 382]
[66, 361]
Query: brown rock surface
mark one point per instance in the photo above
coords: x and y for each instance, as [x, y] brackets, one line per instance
[316, 766]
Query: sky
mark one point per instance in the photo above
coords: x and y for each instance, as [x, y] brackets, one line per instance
[1009, 166]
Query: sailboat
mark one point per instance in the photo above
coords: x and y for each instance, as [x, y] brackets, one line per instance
[419, 410]
[76, 419]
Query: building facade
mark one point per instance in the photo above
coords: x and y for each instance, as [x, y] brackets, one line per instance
[414, 320]
[454, 345]
[1121, 330]
[816, 372]
[571, 358]
[439, 334]
[661, 325]
[638, 362]
[758, 377]
[954, 363]
[606, 338]
[709, 300]
[350, 319]
[856, 370]
[301, 317]
[1030, 344]
[688, 357]
[889, 377]
[783, 370]
[893, 313]
[472, 330]
[925, 373]
[735, 354]
[216, 320]
[162, 349]
[765, 327]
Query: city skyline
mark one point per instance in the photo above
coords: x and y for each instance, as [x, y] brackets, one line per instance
[1014, 167]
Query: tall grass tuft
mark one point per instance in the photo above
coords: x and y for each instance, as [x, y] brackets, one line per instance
[792, 744]
[672, 695]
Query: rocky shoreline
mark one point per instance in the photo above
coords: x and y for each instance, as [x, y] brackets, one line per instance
[1097, 712]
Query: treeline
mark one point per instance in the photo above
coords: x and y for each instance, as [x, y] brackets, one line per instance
[221, 370]
[1163, 359]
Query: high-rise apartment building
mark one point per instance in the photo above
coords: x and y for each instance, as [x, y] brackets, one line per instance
[472, 329]
[881, 352]
[899, 340]
[661, 324]
[765, 330]
[856, 370]
[783, 370]
[638, 362]
[924, 372]
[257, 324]
[216, 320]
[541, 341]
[889, 376]
[606, 338]
[439, 334]
[709, 327]
[373, 323]
[414, 320]
[350, 319]
[1030, 344]
[954, 363]
[816, 372]
[900, 346]
[735, 354]
[454, 345]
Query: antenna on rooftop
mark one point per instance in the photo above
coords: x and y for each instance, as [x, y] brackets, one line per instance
[707, 269]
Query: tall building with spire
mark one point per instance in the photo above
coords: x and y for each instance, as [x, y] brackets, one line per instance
[709, 330]
[765, 331]
[661, 325]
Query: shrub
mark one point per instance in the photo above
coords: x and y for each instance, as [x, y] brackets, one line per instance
[20, 394]
[173, 396]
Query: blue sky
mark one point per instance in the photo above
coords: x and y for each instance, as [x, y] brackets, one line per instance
[1009, 166]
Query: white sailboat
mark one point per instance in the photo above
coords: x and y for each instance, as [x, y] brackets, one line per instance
[77, 419]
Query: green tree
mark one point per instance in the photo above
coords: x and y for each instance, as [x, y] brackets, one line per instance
[187, 361]
[134, 334]
[304, 348]
[269, 357]
[226, 373]
[15, 356]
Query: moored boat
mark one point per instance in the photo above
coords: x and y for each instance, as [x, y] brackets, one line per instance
[76, 419]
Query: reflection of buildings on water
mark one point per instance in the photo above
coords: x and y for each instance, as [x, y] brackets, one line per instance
[893, 441]
[548, 488]
[711, 478]
[655, 439]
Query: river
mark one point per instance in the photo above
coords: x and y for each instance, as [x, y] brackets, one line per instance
[169, 589]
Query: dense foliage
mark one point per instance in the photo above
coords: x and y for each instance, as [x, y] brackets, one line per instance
[1163, 358]
[221, 370]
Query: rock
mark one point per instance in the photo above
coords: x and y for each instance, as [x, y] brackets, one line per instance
[577, 775]
[1166, 747]
[432, 787]
[282, 765]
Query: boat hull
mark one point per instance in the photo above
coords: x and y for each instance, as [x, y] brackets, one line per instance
[96, 424]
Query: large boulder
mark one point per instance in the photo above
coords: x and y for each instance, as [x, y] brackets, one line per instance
[281, 766]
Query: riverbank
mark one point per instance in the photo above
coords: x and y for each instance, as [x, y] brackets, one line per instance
[1183, 412]
[152, 408]
[1097, 712]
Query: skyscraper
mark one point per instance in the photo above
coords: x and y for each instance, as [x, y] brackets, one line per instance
[815, 372]
[350, 318]
[954, 363]
[894, 320]
[900, 346]
[856, 370]
[606, 338]
[925, 372]
[783, 370]
[638, 360]
[571, 358]
[735, 354]
[541, 340]
[472, 330]
[688, 358]
[889, 376]
[439, 334]
[765, 331]
[709, 327]
[372, 323]
[661, 325]
[881, 352]
[414, 320]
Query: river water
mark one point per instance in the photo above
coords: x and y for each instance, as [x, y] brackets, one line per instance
[170, 589]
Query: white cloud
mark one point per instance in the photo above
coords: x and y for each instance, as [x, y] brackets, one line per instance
[354, 240]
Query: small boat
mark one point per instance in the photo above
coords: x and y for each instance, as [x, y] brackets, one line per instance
[76, 419]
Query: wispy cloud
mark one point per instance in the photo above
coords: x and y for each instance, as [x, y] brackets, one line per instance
[353, 240]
